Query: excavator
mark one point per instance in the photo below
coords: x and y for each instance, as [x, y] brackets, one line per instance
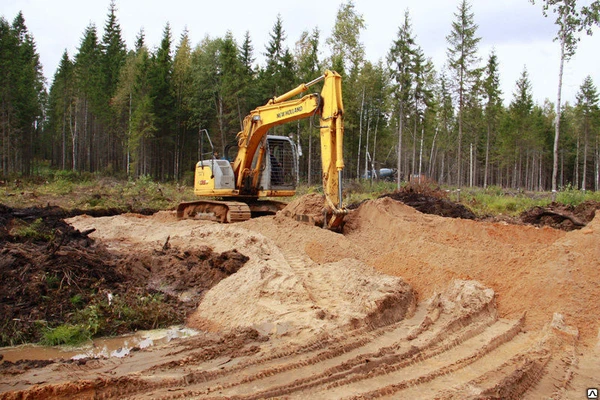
[265, 166]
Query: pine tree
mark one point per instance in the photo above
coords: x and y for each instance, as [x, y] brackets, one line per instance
[462, 61]
[230, 113]
[446, 123]
[422, 99]
[113, 50]
[206, 87]
[8, 50]
[347, 58]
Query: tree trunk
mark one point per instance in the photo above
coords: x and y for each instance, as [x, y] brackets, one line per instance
[367, 147]
[471, 165]
[421, 154]
[487, 157]
[597, 180]
[400, 127]
[309, 171]
[431, 156]
[460, 131]
[362, 105]
[557, 120]
[374, 146]
[576, 167]
[585, 150]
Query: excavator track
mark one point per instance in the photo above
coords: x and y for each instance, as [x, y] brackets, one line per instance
[214, 210]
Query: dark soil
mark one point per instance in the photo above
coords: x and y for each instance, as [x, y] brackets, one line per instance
[52, 274]
[561, 216]
[431, 201]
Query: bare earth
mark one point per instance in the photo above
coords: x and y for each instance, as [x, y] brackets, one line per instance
[401, 305]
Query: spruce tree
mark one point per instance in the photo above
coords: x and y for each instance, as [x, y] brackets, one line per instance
[182, 89]
[400, 60]
[60, 112]
[89, 101]
[277, 77]
[463, 63]
[249, 91]
[160, 78]
[588, 117]
[493, 106]
[26, 96]
[113, 59]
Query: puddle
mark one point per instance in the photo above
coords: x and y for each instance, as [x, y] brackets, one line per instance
[98, 348]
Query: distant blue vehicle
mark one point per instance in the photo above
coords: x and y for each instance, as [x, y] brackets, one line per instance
[388, 174]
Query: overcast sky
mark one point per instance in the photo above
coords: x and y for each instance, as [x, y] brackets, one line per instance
[516, 29]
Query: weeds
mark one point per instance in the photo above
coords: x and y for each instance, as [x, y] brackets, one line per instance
[573, 197]
[127, 312]
[65, 334]
[33, 231]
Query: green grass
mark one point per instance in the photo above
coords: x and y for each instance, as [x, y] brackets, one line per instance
[87, 191]
[574, 197]
[66, 334]
[34, 231]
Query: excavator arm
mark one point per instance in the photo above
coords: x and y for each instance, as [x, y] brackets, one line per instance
[279, 110]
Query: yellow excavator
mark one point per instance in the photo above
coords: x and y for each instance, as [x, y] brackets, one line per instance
[267, 166]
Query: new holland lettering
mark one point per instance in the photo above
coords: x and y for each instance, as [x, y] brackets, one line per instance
[289, 112]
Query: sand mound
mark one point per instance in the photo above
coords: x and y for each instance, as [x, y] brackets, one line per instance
[294, 266]
[535, 270]
[278, 297]
[308, 208]
[466, 296]
[279, 290]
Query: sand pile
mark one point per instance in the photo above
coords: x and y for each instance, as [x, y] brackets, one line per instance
[308, 208]
[535, 270]
[279, 290]
[301, 275]
[275, 297]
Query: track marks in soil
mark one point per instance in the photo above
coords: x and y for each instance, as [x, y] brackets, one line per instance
[438, 352]
[433, 354]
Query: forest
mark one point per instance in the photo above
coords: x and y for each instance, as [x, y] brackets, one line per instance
[139, 112]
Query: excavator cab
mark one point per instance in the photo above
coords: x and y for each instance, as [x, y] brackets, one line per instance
[281, 166]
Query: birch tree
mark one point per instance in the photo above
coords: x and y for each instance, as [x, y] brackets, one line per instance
[571, 20]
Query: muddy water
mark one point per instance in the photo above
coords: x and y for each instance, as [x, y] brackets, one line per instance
[98, 348]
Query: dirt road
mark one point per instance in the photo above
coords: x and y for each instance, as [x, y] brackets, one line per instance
[401, 305]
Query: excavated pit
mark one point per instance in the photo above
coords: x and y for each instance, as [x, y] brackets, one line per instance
[402, 305]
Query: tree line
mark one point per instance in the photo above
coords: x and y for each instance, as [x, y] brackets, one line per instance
[134, 112]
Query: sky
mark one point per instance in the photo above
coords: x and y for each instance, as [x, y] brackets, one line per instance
[515, 29]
